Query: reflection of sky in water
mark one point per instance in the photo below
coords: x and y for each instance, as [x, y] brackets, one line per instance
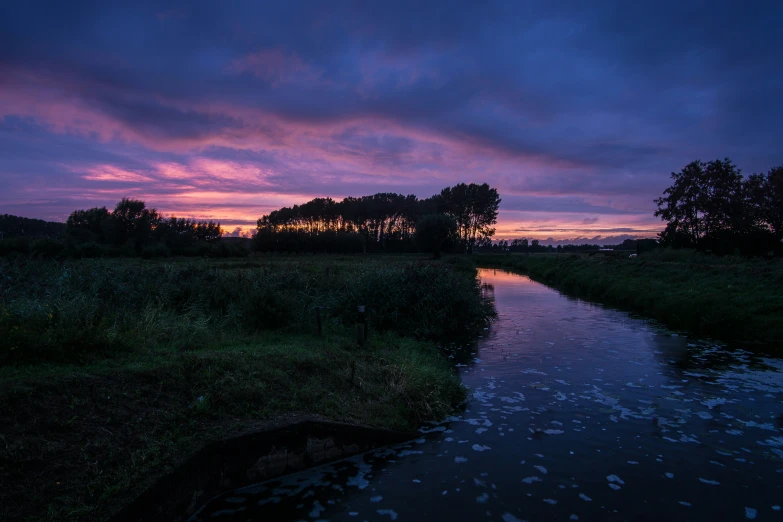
[578, 413]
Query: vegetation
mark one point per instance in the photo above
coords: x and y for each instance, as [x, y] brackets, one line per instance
[16, 226]
[729, 298]
[435, 232]
[523, 246]
[385, 222]
[130, 230]
[114, 370]
[711, 206]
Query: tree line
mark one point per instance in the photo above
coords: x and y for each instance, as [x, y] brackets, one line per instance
[382, 222]
[17, 226]
[130, 229]
[524, 246]
[712, 206]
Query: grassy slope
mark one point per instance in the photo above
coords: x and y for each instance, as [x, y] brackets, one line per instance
[115, 371]
[728, 299]
[78, 442]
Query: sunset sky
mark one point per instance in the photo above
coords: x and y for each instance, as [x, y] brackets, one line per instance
[577, 112]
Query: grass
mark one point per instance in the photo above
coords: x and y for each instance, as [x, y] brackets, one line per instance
[727, 298]
[140, 363]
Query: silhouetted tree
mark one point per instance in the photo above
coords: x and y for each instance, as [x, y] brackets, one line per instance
[712, 206]
[475, 209]
[434, 232]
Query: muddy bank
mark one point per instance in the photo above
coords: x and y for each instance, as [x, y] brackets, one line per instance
[252, 458]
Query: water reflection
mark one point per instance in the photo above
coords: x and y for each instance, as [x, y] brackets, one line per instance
[578, 413]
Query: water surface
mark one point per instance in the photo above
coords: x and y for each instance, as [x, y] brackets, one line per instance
[578, 412]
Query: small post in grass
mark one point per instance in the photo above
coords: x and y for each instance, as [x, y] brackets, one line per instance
[318, 320]
[361, 327]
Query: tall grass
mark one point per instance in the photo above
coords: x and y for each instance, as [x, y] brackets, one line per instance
[66, 311]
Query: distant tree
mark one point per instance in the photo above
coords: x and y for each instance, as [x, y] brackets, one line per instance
[434, 232]
[132, 224]
[88, 225]
[534, 246]
[519, 245]
[17, 226]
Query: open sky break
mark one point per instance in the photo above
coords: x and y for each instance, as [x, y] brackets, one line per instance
[577, 113]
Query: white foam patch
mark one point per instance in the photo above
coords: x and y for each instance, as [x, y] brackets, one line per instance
[530, 480]
[614, 486]
[376, 499]
[542, 469]
[711, 403]
[685, 503]
[710, 482]
[478, 447]
[615, 478]
[392, 514]
[669, 475]
[406, 453]
[585, 497]
[508, 517]
[482, 499]
[750, 513]
[460, 460]
[554, 432]
[550, 501]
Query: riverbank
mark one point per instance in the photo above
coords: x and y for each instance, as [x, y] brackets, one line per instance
[139, 364]
[730, 299]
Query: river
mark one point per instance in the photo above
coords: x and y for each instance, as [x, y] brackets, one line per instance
[578, 412]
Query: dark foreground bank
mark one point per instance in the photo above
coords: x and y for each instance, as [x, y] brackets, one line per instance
[140, 365]
[726, 298]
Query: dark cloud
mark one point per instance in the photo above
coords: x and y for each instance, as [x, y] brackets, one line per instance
[567, 107]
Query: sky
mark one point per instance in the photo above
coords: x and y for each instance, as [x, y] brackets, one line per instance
[577, 112]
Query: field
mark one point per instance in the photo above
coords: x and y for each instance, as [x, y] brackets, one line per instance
[727, 298]
[112, 371]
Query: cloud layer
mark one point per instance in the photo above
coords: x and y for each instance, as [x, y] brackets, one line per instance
[577, 115]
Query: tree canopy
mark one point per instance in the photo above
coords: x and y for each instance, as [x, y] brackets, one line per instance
[713, 206]
[385, 221]
[434, 232]
[134, 226]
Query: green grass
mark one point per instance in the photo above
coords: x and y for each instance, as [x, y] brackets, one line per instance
[115, 371]
[726, 298]
[86, 309]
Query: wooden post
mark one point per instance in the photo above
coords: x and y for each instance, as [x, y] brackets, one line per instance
[318, 320]
[361, 326]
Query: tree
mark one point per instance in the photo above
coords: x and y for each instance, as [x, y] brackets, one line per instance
[702, 205]
[134, 221]
[434, 232]
[534, 246]
[474, 208]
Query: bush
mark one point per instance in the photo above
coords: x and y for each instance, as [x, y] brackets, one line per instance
[155, 250]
